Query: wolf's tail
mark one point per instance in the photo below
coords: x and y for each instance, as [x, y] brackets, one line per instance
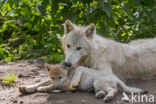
[130, 89]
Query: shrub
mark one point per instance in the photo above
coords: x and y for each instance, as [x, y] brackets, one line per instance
[31, 28]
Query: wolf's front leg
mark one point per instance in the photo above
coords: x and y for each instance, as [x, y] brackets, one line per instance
[76, 78]
[46, 88]
[33, 88]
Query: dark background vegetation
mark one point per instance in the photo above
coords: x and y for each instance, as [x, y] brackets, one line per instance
[32, 28]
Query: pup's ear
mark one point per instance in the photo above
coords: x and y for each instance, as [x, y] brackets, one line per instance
[47, 66]
[68, 26]
[90, 31]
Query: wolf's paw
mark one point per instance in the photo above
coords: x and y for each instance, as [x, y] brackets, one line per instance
[72, 89]
[100, 94]
[27, 89]
[74, 86]
[22, 89]
[107, 99]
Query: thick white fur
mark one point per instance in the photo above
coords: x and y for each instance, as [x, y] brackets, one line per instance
[104, 84]
[128, 61]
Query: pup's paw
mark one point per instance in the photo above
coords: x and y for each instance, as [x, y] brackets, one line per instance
[107, 99]
[100, 94]
[22, 89]
[27, 89]
[72, 89]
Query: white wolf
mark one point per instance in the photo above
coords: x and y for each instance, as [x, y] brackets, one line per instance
[83, 47]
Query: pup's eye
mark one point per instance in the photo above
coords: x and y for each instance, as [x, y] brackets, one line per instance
[68, 45]
[60, 77]
[53, 78]
[78, 48]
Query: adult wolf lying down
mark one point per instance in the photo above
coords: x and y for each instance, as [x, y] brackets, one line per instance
[83, 47]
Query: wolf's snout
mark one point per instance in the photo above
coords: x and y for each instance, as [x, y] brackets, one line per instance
[67, 64]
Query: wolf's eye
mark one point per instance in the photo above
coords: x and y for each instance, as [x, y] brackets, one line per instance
[60, 77]
[68, 45]
[53, 78]
[78, 48]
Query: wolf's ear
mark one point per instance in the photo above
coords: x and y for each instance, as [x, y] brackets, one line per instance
[68, 26]
[90, 31]
[48, 67]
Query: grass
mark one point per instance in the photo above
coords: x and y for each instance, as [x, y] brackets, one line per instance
[9, 79]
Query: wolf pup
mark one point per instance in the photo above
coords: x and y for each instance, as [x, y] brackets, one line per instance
[83, 47]
[83, 79]
[56, 80]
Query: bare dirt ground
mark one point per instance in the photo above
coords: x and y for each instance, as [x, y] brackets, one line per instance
[32, 71]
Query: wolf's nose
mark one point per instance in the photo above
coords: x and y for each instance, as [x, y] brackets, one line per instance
[67, 64]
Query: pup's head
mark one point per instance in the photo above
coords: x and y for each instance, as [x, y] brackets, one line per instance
[56, 73]
[76, 42]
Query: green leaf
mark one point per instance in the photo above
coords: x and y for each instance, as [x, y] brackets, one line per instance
[17, 2]
[1, 53]
[106, 7]
[11, 3]
[41, 9]
[2, 3]
[128, 12]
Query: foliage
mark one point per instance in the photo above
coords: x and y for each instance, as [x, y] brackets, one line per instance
[30, 28]
[9, 79]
